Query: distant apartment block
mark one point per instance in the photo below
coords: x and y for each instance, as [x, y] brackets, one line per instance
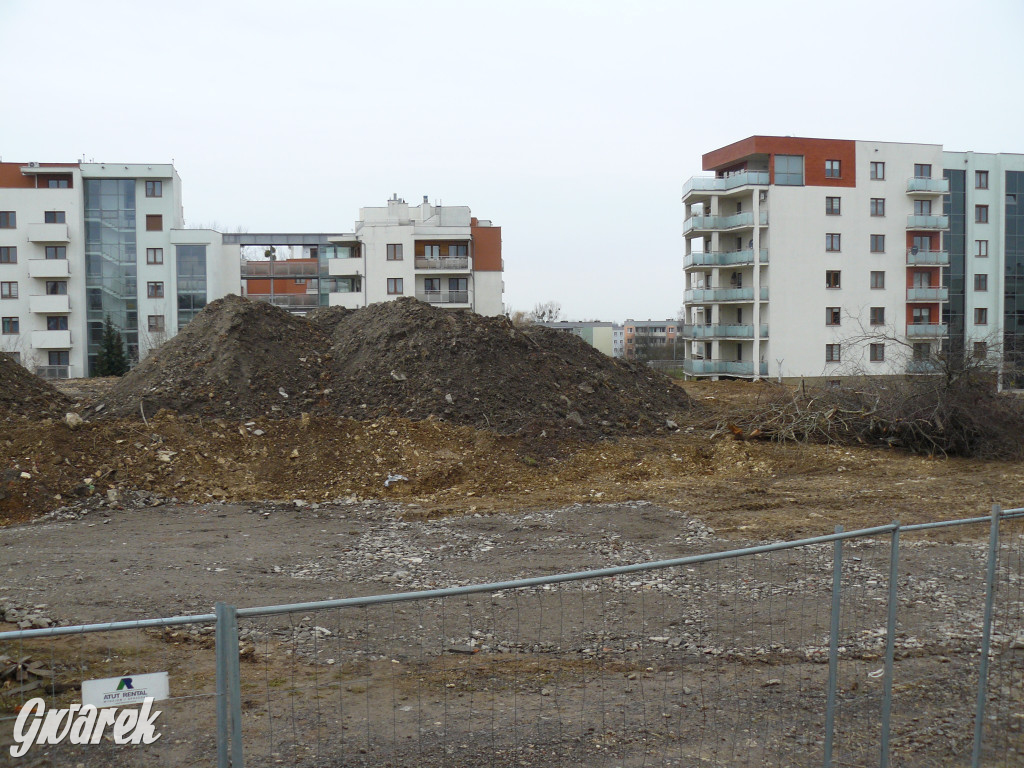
[442, 255]
[821, 257]
[618, 341]
[597, 334]
[641, 336]
[81, 242]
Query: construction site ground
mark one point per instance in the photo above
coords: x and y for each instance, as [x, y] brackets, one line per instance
[128, 518]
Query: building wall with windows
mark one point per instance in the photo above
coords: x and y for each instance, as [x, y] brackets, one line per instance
[815, 257]
[113, 253]
[639, 336]
[438, 254]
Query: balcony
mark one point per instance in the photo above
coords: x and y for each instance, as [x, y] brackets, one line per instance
[48, 268]
[915, 221]
[443, 297]
[51, 339]
[706, 295]
[285, 268]
[922, 366]
[919, 186]
[695, 367]
[724, 258]
[919, 258]
[53, 371]
[346, 299]
[927, 294]
[344, 267]
[447, 263]
[723, 331]
[58, 304]
[725, 183]
[48, 233]
[926, 331]
[293, 302]
[704, 223]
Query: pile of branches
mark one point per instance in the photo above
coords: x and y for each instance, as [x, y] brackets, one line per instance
[933, 415]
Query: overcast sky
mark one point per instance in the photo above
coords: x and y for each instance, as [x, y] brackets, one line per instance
[572, 125]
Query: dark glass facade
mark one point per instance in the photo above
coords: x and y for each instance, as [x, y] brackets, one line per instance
[954, 241]
[110, 263]
[190, 268]
[1013, 285]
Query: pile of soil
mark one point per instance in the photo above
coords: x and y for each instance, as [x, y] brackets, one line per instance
[413, 360]
[238, 358]
[242, 359]
[23, 395]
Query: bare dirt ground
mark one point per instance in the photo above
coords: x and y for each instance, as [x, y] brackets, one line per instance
[167, 516]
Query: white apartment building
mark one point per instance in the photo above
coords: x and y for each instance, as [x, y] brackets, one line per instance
[820, 257]
[80, 242]
[439, 254]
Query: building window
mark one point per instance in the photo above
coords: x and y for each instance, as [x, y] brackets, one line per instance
[878, 171]
[922, 171]
[832, 169]
[59, 358]
[154, 189]
[921, 316]
[394, 251]
[878, 206]
[789, 170]
[462, 249]
[922, 207]
[432, 251]
[878, 243]
[394, 286]
[832, 315]
[980, 350]
[56, 252]
[154, 222]
[981, 214]
[832, 242]
[832, 278]
[981, 248]
[981, 282]
[56, 287]
[832, 206]
[11, 326]
[832, 354]
[878, 280]
[155, 290]
[981, 179]
[58, 184]
[8, 290]
[8, 219]
[432, 285]
[877, 353]
[156, 323]
[922, 350]
[54, 217]
[981, 316]
[877, 315]
[9, 255]
[57, 323]
[154, 255]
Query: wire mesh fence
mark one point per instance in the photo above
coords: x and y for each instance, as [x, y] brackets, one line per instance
[839, 650]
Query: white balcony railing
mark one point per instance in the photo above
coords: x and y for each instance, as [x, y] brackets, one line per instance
[48, 268]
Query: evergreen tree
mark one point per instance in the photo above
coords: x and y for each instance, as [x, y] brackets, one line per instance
[111, 360]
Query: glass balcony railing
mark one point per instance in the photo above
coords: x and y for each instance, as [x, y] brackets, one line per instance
[721, 331]
[724, 183]
[916, 221]
[922, 366]
[928, 186]
[443, 297]
[916, 257]
[927, 294]
[926, 331]
[695, 367]
[700, 295]
[724, 258]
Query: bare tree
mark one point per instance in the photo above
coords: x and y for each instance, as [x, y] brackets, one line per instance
[546, 312]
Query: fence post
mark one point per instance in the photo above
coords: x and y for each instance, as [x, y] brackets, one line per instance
[890, 643]
[833, 649]
[986, 635]
[221, 644]
[234, 688]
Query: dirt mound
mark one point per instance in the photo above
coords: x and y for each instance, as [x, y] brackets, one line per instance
[25, 395]
[237, 358]
[401, 358]
[414, 360]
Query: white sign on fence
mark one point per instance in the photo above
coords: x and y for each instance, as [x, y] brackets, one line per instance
[122, 691]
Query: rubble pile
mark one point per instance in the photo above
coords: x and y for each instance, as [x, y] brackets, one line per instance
[242, 359]
[23, 395]
[236, 359]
